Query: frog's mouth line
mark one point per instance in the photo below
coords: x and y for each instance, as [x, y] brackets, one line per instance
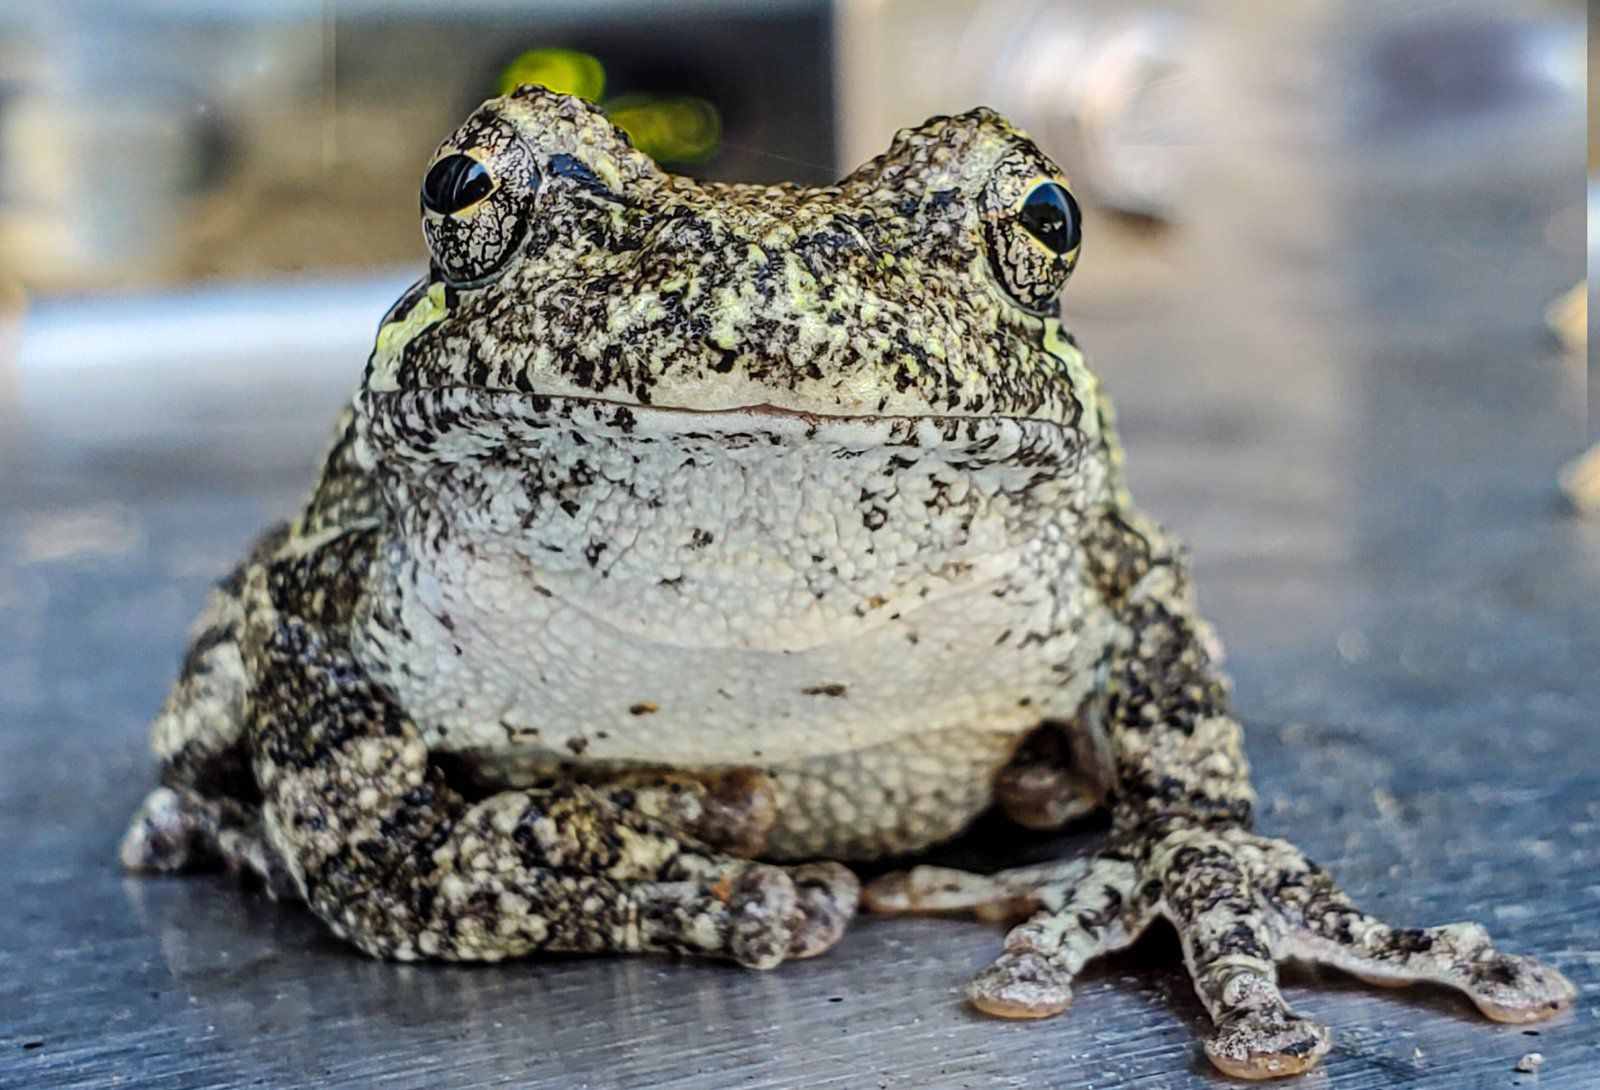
[780, 417]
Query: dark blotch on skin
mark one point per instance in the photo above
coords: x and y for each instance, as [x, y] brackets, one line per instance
[830, 689]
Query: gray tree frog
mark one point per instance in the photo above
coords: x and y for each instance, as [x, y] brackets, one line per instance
[682, 535]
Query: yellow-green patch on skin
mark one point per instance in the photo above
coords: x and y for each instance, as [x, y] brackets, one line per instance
[1084, 384]
[394, 336]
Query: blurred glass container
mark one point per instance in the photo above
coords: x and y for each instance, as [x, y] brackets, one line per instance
[159, 142]
[1102, 86]
[123, 114]
[98, 197]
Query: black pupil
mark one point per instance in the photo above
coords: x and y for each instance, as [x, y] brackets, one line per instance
[1051, 215]
[453, 183]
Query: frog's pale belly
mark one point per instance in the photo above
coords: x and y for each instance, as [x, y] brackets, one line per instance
[888, 736]
[553, 676]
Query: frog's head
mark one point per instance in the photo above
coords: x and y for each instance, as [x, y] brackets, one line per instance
[567, 265]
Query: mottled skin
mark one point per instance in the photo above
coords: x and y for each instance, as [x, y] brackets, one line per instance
[678, 526]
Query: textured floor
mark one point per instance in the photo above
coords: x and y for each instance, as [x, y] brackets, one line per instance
[1335, 382]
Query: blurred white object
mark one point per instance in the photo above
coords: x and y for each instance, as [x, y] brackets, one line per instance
[1569, 318]
[98, 193]
[1101, 86]
[117, 115]
[1580, 481]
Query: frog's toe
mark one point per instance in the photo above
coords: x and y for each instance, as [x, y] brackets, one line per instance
[1022, 985]
[998, 898]
[1267, 1043]
[1231, 946]
[180, 830]
[888, 894]
[938, 891]
[162, 836]
[782, 913]
[826, 897]
[763, 913]
[1088, 909]
[1512, 988]
[1080, 909]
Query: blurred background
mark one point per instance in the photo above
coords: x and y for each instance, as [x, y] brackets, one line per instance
[1334, 274]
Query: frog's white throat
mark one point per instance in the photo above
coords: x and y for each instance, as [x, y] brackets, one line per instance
[603, 502]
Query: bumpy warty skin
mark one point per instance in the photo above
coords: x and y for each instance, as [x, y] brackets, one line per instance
[871, 297]
[677, 526]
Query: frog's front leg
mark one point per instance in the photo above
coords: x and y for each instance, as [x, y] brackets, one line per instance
[1182, 847]
[401, 864]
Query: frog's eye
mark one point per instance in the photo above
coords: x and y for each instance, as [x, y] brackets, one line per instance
[454, 183]
[476, 205]
[1034, 229]
[1050, 215]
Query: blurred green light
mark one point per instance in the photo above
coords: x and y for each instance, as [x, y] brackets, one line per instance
[669, 128]
[564, 70]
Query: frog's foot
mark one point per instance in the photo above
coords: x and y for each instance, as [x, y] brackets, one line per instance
[1241, 904]
[177, 830]
[755, 914]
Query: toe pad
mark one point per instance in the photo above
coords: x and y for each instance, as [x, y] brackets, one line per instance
[1021, 985]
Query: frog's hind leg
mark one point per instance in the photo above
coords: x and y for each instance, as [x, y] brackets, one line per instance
[1055, 777]
[398, 861]
[206, 814]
